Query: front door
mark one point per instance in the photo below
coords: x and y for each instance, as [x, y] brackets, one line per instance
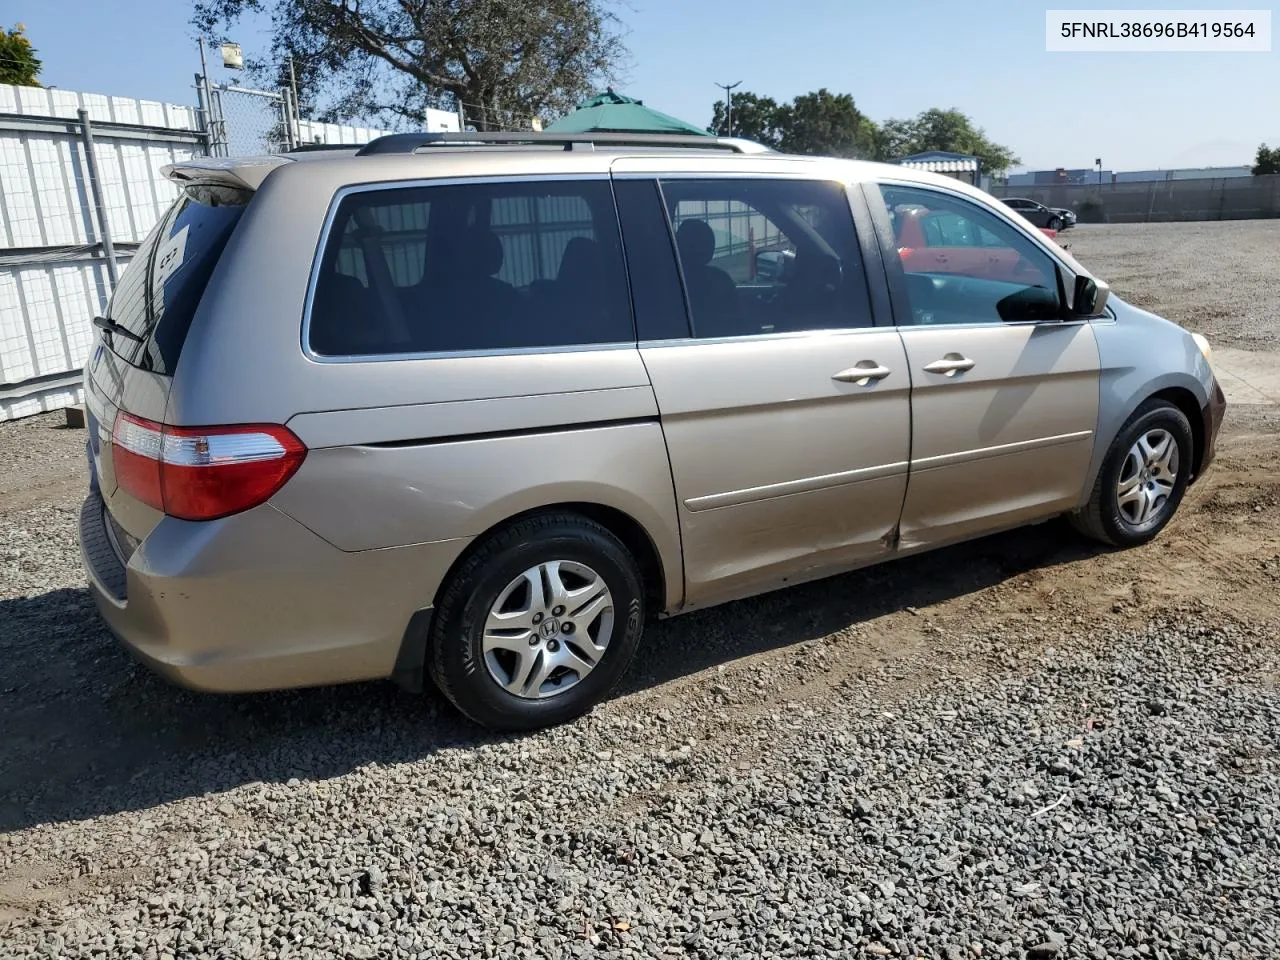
[1004, 392]
[785, 411]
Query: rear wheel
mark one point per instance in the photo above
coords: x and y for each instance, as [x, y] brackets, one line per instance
[538, 624]
[1142, 479]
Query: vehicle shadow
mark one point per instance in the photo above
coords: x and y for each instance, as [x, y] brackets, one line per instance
[88, 731]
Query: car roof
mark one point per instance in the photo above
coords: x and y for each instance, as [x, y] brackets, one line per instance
[400, 157]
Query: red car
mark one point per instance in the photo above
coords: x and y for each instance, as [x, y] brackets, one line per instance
[938, 241]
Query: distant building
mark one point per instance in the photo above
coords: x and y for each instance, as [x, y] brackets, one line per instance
[1050, 178]
[1187, 173]
[1063, 176]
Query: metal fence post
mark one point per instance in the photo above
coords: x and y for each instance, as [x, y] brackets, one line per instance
[289, 110]
[95, 185]
[206, 126]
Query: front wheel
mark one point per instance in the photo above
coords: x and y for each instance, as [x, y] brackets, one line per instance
[1055, 223]
[538, 624]
[1142, 479]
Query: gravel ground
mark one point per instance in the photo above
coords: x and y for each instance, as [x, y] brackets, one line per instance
[1019, 747]
[1218, 279]
[1076, 800]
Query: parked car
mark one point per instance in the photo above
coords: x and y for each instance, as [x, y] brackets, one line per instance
[477, 408]
[1055, 218]
[941, 241]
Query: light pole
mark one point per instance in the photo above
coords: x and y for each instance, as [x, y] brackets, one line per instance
[1098, 163]
[728, 104]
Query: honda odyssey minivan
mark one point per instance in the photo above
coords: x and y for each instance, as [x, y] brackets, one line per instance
[476, 407]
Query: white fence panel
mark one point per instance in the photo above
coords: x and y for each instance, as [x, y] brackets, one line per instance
[51, 284]
[42, 102]
[312, 131]
[50, 290]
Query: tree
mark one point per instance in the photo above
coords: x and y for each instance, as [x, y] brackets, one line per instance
[947, 130]
[754, 117]
[1267, 161]
[813, 123]
[19, 64]
[503, 60]
[828, 124]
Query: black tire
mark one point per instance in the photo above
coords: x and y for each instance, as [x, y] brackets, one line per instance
[1055, 223]
[1101, 518]
[455, 657]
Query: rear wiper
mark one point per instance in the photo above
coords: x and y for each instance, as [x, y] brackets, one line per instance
[116, 329]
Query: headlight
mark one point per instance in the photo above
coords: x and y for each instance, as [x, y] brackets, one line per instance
[1203, 344]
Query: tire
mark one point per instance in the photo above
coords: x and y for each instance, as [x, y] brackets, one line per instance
[1055, 223]
[497, 678]
[1104, 517]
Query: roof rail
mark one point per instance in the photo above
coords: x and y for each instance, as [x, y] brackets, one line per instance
[311, 147]
[411, 142]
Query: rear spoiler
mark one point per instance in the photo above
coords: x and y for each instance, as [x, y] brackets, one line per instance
[242, 172]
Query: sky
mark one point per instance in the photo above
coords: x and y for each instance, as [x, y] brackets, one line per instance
[986, 57]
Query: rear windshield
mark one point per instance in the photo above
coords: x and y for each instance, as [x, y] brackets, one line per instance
[160, 289]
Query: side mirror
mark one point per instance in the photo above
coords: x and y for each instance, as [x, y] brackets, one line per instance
[1032, 304]
[1090, 297]
[778, 265]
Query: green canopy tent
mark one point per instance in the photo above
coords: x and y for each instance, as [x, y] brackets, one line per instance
[611, 112]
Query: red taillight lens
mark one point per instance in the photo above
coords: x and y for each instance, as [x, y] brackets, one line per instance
[202, 473]
[135, 451]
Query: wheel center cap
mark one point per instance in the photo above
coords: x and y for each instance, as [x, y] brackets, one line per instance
[549, 628]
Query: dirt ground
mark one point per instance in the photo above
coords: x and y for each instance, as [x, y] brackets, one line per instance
[71, 755]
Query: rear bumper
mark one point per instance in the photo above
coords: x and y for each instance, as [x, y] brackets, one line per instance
[258, 602]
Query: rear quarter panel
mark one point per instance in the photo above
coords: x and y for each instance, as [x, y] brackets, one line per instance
[360, 496]
[112, 384]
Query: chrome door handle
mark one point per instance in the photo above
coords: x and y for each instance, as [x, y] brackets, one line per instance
[862, 373]
[950, 365]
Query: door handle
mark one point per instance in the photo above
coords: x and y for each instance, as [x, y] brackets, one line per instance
[950, 365]
[862, 373]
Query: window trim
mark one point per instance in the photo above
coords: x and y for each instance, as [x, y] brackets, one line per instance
[895, 276]
[326, 230]
[878, 296]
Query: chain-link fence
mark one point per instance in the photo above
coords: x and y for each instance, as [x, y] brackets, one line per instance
[244, 122]
[475, 116]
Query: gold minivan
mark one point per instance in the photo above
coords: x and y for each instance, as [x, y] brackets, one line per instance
[475, 407]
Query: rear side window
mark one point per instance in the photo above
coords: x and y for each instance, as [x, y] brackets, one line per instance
[159, 291]
[471, 267]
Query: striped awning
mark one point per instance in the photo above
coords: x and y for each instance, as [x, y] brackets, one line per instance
[942, 166]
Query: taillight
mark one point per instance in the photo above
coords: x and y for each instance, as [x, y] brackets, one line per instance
[202, 473]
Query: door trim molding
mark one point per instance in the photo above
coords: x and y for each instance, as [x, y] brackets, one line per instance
[1001, 450]
[772, 491]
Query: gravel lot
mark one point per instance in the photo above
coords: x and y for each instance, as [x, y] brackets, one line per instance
[1019, 747]
[1219, 279]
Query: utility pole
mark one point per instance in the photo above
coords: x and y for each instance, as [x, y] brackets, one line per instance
[728, 104]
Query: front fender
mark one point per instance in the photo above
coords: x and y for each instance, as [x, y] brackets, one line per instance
[1141, 355]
